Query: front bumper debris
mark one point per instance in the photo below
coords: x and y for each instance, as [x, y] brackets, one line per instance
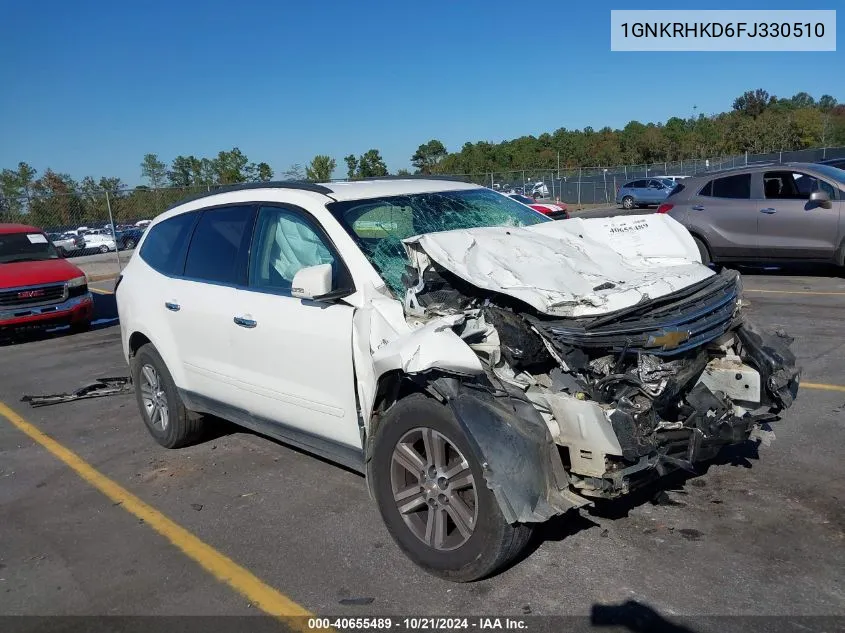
[103, 387]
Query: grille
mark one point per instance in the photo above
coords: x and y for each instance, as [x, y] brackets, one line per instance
[32, 296]
[669, 325]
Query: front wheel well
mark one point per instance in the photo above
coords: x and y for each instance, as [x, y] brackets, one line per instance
[136, 341]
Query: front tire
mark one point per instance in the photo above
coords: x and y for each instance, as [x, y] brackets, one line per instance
[130, 244]
[627, 202]
[104, 249]
[433, 497]
[162, 410]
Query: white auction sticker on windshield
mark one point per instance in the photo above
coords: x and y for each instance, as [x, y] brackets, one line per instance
[36, 238]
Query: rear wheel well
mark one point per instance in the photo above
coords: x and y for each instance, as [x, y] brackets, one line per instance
[136, 341]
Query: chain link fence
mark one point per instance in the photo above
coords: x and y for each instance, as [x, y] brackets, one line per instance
[598, 185]
[99, 229]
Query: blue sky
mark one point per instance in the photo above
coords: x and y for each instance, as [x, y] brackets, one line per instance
[89, 87]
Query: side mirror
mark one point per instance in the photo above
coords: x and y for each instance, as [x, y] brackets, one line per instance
[312, 282]
[822, 199]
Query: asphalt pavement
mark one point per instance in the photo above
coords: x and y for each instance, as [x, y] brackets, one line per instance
[757, 532]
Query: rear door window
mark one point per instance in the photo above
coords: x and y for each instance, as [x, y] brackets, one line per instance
[164, 248]
[737, 187]
[217, 252]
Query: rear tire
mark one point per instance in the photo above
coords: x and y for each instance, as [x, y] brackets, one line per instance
[440, 490]
[706, 259]
[130, 244]
[163, 412]
[627, 202]
[104, 249]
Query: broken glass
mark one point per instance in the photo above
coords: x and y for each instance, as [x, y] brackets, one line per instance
[379, 225]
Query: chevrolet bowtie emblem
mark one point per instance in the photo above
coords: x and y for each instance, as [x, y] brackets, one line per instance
[669, 340]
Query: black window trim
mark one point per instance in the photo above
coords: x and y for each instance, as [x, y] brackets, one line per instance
[750, 187]
[315, 225]
[180, 265]
[240, 266]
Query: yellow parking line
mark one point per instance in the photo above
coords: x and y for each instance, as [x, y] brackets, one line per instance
[218, 565]
[822, 386]
[791, 292]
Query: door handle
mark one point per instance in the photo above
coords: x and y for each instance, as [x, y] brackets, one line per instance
[172, 306]
[698, 207]
[768, 210]
[245, 322]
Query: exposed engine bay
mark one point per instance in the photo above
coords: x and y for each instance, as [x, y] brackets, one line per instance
[629, 388]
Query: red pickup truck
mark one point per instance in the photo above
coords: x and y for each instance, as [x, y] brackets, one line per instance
[38, 287]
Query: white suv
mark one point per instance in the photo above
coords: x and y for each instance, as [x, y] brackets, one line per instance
[485, 368]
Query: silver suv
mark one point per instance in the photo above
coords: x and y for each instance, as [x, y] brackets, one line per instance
[772, 213]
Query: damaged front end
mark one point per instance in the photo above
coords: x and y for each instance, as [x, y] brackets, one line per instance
[621, 396]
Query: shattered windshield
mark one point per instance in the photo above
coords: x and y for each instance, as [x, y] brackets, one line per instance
[380, 224]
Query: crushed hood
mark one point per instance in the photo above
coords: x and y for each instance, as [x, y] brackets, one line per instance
[570, 268]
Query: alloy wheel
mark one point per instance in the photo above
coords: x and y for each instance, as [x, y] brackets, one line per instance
[154, 398]
[434, 489]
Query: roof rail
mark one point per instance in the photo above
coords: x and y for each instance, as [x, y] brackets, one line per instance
[276, 184]
[408, 177]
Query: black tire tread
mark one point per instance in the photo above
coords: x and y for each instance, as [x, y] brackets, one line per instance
[186, 426]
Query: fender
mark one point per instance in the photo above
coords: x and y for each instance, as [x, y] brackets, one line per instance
[510, 440]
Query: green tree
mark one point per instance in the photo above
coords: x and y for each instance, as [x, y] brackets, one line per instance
[258, 172]
[351, 166]
[752, 102]
[428, 155]
[181, 172]
[154, 170]
[321, 168]
[826, 102]
[230, 167]
[371, 165]
[403, 172]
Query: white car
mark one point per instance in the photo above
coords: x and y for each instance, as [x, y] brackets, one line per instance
[99, 241]
[485, 367]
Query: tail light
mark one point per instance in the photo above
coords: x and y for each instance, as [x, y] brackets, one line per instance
[665, 207]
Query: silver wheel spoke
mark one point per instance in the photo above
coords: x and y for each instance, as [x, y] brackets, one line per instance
[155, 415]
[150, 376]
[464, 480]
[412, 502]
[409, 459]
[164, 416]
[435, 449]
[435, 528]
[461, 515]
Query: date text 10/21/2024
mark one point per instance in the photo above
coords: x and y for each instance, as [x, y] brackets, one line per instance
[418, 624]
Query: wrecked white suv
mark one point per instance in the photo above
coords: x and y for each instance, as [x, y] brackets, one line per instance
[486, 368]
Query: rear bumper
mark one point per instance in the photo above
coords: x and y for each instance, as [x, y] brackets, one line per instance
[74, 310]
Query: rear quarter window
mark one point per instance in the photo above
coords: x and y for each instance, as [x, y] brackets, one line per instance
[165, 245]
[737, 187]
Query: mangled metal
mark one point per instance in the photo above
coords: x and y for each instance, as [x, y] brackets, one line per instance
[604, 340]
[101, 388]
